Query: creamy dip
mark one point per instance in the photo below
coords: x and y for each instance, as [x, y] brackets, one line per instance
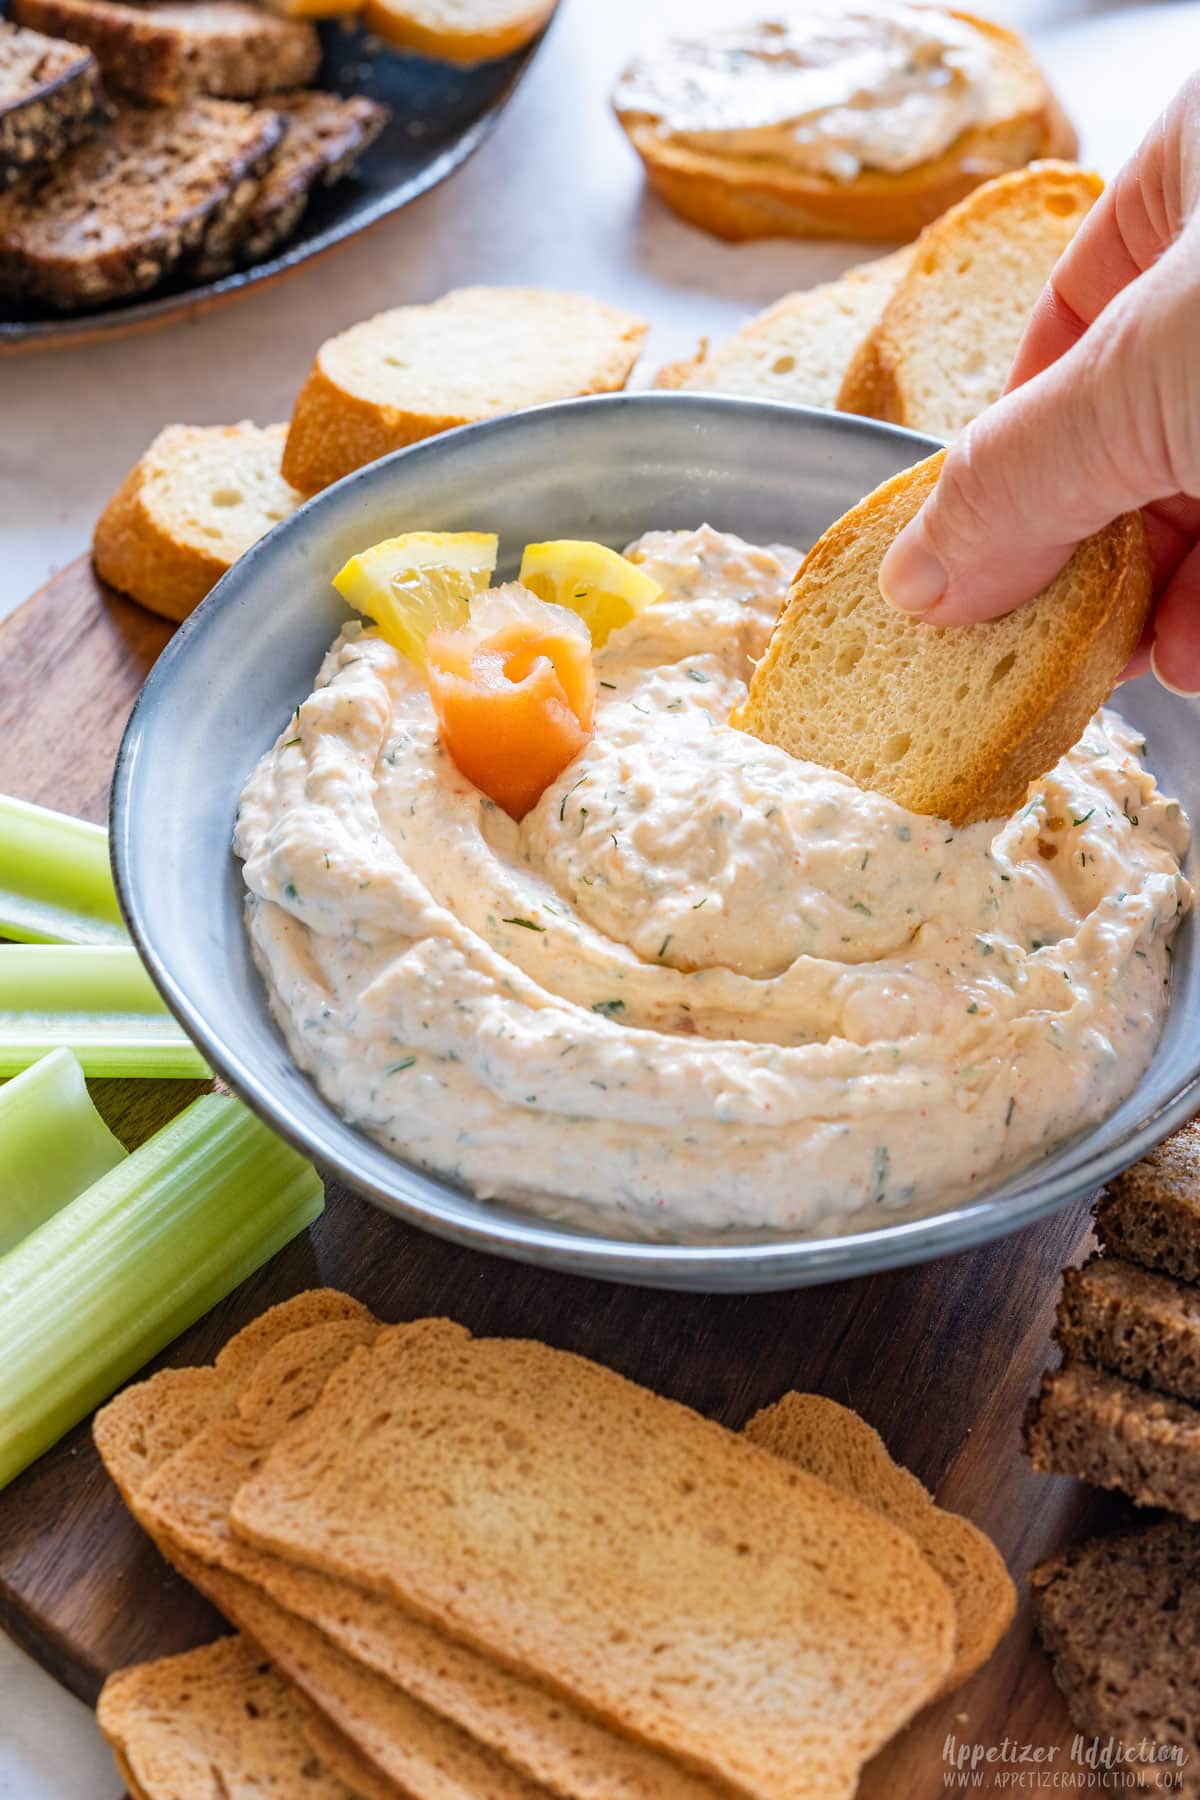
[702, 987]
[829, 90]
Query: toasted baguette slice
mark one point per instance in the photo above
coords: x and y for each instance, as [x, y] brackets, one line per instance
[418, 370]
[129, 206]
[458, 31]
[1120, 1620]
[166, 50]
[197, 500]
[50, 99]
[799, 349]
[841, 1449]
[742, 197]
[944, 344]
[215, 1720]
[755, 1625]
[953, 721]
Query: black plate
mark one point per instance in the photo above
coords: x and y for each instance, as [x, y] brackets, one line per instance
[440, 114]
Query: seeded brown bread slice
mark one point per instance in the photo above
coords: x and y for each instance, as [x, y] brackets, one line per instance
[663, 1573]
[1098, 1428]
[184, 1505]
[147, 1422]
[955, 722]
[168, 50]
[217, 1720]
[1142, 1325]
[841, 1449]
[50, 99]
[1120, 1620]
[1151, 1213]
[194, 503]
[747, 197]
[945, 342]
[125, 209]
[325, 134]
[799, 349]
[458, 31]
[417, 370]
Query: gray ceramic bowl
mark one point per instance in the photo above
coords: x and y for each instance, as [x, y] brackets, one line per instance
[605, 469]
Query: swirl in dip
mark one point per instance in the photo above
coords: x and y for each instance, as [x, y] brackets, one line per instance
[830, 91]
[701, 988]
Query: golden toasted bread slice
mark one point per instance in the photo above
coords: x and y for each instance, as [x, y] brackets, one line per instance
[799, 349]
[217, 1720]
[744, 197]
[944, 343]
[955, 721]
[835, 1444]
[147, 1422]
[521, 1733]
[756, 1625]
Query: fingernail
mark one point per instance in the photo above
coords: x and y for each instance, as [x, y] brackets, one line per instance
[910, 576]
[1172, 687]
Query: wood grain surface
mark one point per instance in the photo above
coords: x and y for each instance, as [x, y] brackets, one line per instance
[941, 1359]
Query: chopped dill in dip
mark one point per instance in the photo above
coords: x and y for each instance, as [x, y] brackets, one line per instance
[701, 988]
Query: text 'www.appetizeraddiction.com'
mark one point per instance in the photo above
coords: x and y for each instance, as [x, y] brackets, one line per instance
[1085, 1765]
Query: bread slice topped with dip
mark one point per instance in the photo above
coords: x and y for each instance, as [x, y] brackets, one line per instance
[953, 721]
[854, 119]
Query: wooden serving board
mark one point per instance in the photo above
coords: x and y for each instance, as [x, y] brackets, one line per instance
[941, 1359]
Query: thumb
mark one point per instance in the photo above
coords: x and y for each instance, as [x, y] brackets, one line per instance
[1094, 435]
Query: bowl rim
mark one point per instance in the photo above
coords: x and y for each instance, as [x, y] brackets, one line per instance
[712, 1266]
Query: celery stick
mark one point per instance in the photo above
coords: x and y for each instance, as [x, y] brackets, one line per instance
[90, 1296]
[55, 882]
[53, 1144]
[98, 1001]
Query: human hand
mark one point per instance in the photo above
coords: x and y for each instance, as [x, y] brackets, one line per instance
[1101, 415]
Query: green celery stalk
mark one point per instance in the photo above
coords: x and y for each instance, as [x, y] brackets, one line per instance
[90, 1296]
[98, 1001]
[55, 883]
[53, 1144]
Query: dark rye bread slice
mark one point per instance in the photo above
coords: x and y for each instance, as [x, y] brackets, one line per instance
[325, 133]
[1120, 1620]
[951, 721]
[129, 206]
[50, 99]
[1092, 1425]
[1140, 1324]
[1151, 1213]
[673, 1579]
[165, 50]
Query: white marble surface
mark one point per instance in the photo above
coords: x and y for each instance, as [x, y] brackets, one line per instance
[555, 198]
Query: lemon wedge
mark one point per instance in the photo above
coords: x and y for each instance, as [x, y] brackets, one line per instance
[603, 587]
[418, 583]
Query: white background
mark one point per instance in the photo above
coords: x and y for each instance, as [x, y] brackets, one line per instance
[554, 198]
